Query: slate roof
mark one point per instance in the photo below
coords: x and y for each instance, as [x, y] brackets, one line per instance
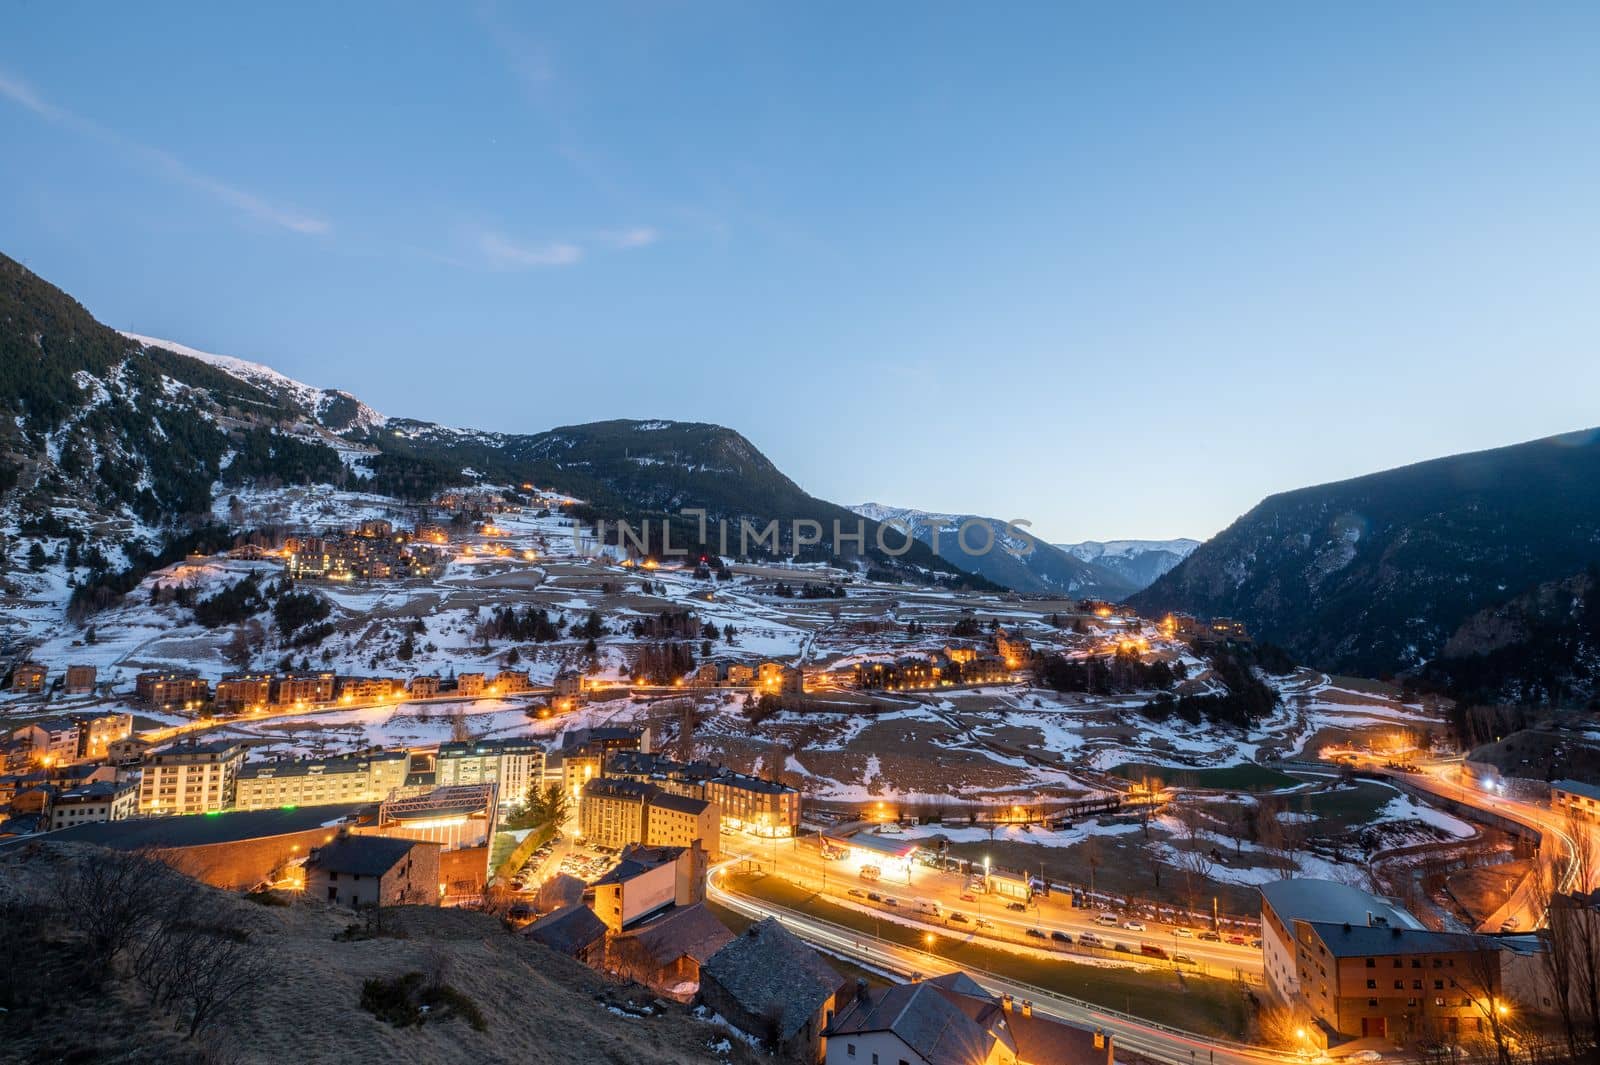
[688, 931]
[924, 1018]
[769, 966]
[195, 830]
[1362, 941]
[364, 855]
[1577, 787]
[570, 930]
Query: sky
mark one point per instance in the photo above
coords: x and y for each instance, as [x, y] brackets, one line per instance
[1120, 270]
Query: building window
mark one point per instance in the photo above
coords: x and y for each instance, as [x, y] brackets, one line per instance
[1372, 963]
[1372, 985]
[850, 1049]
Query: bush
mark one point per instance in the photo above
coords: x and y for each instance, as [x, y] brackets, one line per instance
[404, 1001]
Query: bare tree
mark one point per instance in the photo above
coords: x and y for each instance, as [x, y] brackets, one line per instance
[112, 897]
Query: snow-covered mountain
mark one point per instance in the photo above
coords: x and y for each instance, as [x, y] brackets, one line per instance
[334, 410]
[1005, 555]
[1140, 562]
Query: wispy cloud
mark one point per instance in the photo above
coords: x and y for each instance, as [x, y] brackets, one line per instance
[160, 162]
[503, 252]
[636, 237]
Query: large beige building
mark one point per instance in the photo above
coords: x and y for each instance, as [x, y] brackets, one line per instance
[320, 781]
[190, 777]
[747, 803]
[617, 813]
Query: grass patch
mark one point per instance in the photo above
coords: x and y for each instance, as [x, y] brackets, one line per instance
[1205, 1005]
[409, 1000]
[1349, 807]
[1243, 777]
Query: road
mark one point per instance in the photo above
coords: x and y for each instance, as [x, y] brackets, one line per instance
[1159, 1042]
[801, 862]
[1450, 780]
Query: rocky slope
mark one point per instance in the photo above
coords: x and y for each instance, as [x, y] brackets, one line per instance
[1375, 574]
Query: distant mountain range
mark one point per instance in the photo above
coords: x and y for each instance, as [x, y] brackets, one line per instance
[118, 443]
[1111, 570]
[1376, 574]
[1139, 562]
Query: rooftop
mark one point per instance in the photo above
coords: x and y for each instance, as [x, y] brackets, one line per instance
[1305, 899]
[1365, 941]
[687, 931]
[365, 855]
[568, 930]
[768, 969]
[196, 830]
[1577, 787]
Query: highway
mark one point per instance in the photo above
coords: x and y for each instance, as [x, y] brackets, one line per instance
[1159, 1042]
[801, 862]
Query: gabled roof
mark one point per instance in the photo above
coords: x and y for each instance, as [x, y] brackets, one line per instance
[923, 1017]
[364, 855]
[569, 930]
[688, 931]
[1577, 787]
[767, 969]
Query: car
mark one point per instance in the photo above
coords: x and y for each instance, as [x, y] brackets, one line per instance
[1062, 937]
[1089, 939]
[1183, 933]
[960, 918]
[967, 896]
[1211, 937]
[873, 896]
[1151, 950]
[1239, 941]
[857, 893]
[1122, 947]
[1036, 934]
[1182, 959]
[1133, 926]
[1109, 920]
[984, 922]
[1017, 907]
[890, 900]
[1255, 944]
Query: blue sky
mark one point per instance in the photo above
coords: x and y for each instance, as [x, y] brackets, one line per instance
[1118, 269]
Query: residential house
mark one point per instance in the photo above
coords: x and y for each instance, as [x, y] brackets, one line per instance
[665, 954]
[425, 687]
[240, 691]
[364, 871]
[772, 986]
[647, 880]
[79, 680]
[951, 1020]
[102, 800]
[573, 930]
[28, 677]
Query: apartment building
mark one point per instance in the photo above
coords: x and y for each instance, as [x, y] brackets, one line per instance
[320, 781]
[303, 688]
[615, 813]
[238, 691]
[168, 689]
[516, 765]
[101, 800]
[745, 803]
[190, 777]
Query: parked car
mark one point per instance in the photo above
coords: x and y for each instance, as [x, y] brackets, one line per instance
[1211, 937]
[1017, 907]
[873, 896]
[960, 918]
[1182, 959]
[890, 900]
[1062, 937]
[857, 893]
[1122, 947]
[1089, 939]
[1183, 933]
[1036, 934]
[1238, 941]
[1133, 926]
[967, 896]
[1150, 950]
[984, 922]
[1107, 919]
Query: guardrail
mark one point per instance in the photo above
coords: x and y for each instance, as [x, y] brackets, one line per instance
[887, 949]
